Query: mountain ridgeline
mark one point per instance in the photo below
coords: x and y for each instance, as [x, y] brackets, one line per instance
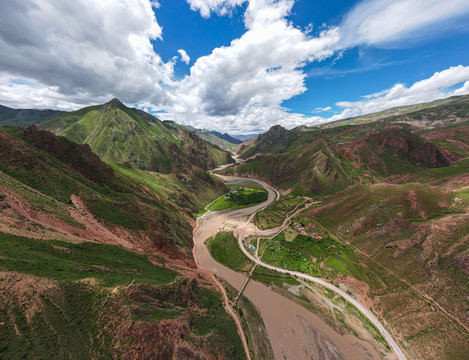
[25, 117]
[227, 137]
[121, 134]
[318, 160]
[223, 141]
[95, 226]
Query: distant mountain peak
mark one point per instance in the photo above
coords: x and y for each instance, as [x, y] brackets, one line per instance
[276, 135]
[115, 101]
[121, 134]
[226, 137]
[112, 104]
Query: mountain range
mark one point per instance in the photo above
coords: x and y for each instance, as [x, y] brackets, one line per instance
[68, 216]
[393, 188]
[25, 117]
[98, 208]
[223, 141]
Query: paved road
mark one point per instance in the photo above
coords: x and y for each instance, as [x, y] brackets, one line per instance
[322, 282]
[294, 332]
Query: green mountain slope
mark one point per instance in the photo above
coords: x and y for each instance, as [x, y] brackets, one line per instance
[63, 171]
[452, 103]
[324, 160]
[25, 117]
[90, 257]
[120, 134]
[212, 138]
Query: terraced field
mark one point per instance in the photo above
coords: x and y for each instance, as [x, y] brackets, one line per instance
[274, 214]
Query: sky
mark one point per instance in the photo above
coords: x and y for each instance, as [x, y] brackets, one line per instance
[236, 66]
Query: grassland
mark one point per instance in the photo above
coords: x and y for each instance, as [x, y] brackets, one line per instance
[60, 315]
[70, 316]
[111, 264]
[324, 257]
[224, 248]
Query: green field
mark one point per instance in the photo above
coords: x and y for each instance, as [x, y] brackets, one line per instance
[224, 248]
[274, 214]
[325, 258]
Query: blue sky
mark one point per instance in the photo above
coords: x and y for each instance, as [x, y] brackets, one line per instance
[359, 71]
[239, 66]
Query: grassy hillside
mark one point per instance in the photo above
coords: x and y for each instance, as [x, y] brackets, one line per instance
[419, 233]
[51, 174]
[90, 256]
[227, 137]
[311, 168]
[318, 161]
[274, 214]
[120, 134]
[123, 306]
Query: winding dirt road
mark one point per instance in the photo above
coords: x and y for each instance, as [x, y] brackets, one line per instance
[294, 332]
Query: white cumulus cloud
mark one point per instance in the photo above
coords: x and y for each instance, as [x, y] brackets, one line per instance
[220, 7]
[378, 21]
[184, 56]
[84, 49]
[322, 109]
[253, 75]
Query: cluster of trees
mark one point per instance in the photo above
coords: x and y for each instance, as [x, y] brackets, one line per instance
[245, 197]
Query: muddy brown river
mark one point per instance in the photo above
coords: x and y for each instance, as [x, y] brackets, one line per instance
[294, 332]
